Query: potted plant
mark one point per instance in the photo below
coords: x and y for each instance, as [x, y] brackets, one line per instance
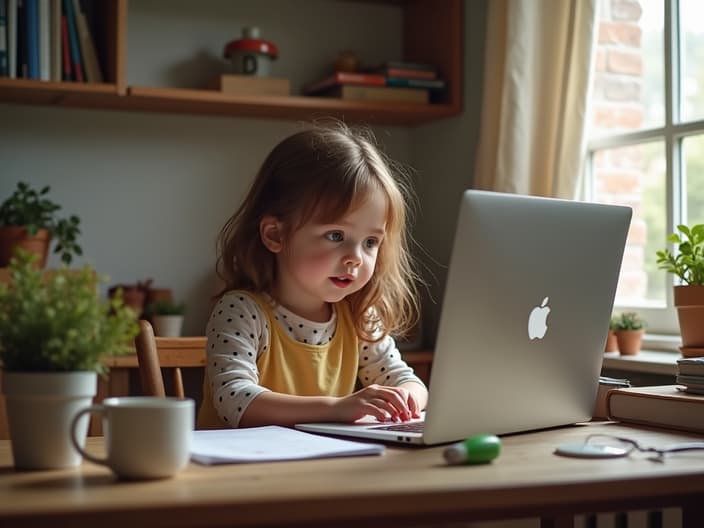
[29, 219]
[166, 317]
[54, 331]
[688, 266]
[629, 328]
[611, 342]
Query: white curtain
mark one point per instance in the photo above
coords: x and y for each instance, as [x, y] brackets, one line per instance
[536, 82]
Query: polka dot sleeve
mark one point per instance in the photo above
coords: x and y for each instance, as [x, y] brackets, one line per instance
[381, 363]
[237, 333]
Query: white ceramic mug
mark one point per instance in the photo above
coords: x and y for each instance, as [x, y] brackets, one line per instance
[145, 437]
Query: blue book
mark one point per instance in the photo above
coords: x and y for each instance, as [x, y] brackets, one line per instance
[31, 12]
[431, 84]
[76, 62]
[4, 67]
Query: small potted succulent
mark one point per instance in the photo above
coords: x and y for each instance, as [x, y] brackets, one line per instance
[629, 328]
[28, 218]
[54, 332]
[166, 317]
[688, 265]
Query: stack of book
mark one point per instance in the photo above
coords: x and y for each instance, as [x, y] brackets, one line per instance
[690, 373]
[394, 81]
[48, 40]
[660, 406]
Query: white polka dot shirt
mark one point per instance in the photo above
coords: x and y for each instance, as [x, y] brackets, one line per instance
[238, 333]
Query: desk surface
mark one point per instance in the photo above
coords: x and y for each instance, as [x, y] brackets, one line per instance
[405, 485]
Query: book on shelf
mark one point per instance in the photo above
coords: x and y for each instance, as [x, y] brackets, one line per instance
[409, 74]
[31, 36]
[21, 40]
[44, 40]
[430, 84]
[356, 92]
[12, 38]
[340, 77]
[691, 366]
[252, 85]
[409, 70]
[55, 40]
[658, 406]
[75, 50]
[4, 67]
[89, 54]
[66, 74]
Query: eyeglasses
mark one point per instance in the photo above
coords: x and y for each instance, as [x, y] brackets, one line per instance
[610, 446]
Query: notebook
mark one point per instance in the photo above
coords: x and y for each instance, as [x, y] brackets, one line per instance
[528, 298]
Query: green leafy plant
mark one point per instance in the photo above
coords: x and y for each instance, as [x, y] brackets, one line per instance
[55, 322]
[32, 210]
[628, 321]
[688, 264]
[165, 307]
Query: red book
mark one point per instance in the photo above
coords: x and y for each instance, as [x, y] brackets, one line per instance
[65, 51]
[339, 78]
[410, 74]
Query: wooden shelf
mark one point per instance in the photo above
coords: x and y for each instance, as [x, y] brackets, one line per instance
[207, 102]
[432, 33]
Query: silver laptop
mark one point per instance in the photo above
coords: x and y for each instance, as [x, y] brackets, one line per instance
[528, 298]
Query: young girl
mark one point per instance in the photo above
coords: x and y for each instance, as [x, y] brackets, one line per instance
[317, 276]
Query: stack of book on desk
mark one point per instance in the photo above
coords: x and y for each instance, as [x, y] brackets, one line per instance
[690, 373]
[659, 406]
[399, 82]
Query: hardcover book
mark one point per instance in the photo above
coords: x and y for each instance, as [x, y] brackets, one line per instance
[691, 366]
[658, 406]
[378, 93]
[338, 78]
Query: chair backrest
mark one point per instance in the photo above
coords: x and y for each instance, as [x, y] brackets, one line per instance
[149, 366]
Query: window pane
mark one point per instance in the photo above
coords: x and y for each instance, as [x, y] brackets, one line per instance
[693, 148]
[629, 91]
[635, 176]
[692, 45]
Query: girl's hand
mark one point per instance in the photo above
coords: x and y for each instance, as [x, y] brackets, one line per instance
[380, 401]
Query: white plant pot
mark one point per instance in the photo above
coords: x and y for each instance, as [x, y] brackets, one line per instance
[167, 325]
[40, 407]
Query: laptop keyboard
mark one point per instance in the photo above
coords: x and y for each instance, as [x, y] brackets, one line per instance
[412, 427]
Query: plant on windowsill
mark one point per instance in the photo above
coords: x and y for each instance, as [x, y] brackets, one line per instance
[54, 333]
[611, 343]
[629, 328]
[688, 265]
[29, 219]
[166, 317]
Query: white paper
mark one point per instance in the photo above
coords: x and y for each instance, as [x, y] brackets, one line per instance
[270, 443]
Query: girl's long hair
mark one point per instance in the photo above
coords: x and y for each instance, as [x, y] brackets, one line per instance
[321, 174]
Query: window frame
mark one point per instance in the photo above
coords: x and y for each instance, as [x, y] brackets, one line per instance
[663, 330]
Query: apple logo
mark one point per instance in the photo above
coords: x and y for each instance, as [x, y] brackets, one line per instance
[537, 320]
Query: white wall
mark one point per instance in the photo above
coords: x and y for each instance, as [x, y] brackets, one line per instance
[152, 190]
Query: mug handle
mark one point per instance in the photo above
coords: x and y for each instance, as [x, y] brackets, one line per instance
[76, 445]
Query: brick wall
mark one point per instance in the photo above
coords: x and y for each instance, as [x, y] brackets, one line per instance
[617, 107]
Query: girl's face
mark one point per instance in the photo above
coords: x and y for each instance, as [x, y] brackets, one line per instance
[323, 263]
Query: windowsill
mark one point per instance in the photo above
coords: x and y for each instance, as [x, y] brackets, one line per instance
[646, 361]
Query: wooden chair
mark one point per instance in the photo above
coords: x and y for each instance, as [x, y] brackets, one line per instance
[149, 366]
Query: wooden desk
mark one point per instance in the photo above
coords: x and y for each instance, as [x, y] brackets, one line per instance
[404, 487]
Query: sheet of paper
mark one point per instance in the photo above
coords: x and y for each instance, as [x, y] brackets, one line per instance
[270, 443]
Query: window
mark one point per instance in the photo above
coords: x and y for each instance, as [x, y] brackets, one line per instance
[646, 137]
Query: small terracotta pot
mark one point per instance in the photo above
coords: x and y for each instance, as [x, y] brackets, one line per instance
[14, 236]
[689, 301]
[611, 342]
[629, 341]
